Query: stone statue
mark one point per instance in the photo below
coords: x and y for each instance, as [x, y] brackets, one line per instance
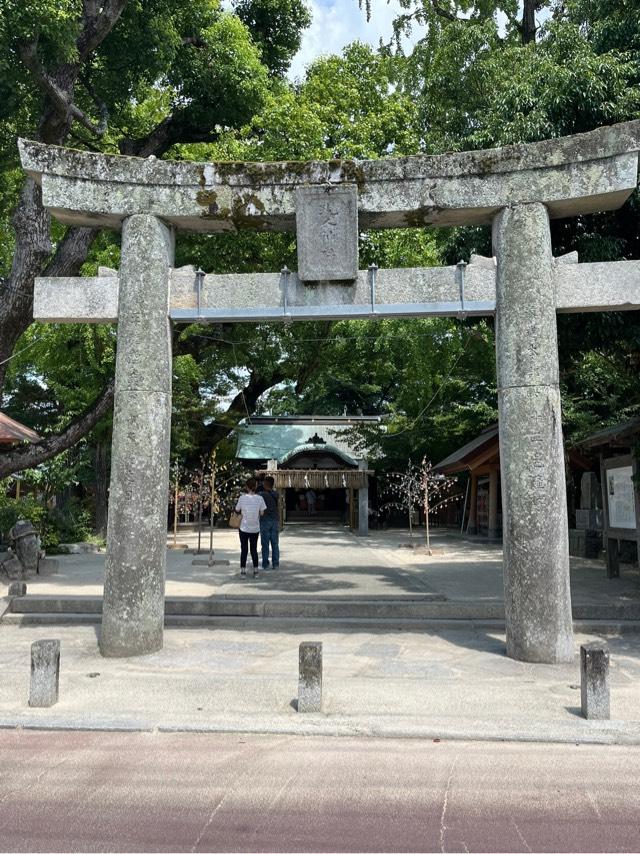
[24, 551]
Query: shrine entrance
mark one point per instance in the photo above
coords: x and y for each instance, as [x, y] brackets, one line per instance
[313, 459]
[517, 189]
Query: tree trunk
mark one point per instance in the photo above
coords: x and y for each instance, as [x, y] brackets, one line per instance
[529, 20]
[31, 221]
[33, 245]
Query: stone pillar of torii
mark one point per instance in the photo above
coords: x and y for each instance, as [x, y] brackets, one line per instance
[518, 189]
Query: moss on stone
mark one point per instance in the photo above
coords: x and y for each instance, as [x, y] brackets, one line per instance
[353, 171]
[207, 198]
[239, 211]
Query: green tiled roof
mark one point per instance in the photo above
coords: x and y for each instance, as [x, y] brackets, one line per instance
[281, 441]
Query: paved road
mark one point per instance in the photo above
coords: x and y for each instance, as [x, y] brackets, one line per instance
[192, 792]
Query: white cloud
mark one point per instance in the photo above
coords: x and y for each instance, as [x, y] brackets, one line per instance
[337, 23]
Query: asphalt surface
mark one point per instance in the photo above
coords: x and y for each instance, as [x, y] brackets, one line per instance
[195, 792]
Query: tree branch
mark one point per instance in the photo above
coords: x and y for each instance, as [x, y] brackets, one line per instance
[441, 12]
[102, 108]
[71, 252]
[98, 19]
[176, 127]
[60, 101]
[245, 400]
[195, 41]
[308, 370]
[33, 455]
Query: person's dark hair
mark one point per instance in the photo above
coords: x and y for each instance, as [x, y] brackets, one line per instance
[269, 481]
[251, 484]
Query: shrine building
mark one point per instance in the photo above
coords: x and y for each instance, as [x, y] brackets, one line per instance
[311, 452]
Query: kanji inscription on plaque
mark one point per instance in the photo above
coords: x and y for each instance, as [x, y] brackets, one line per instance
[327, 233]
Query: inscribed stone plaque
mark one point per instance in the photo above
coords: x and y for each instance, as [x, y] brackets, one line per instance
[327, 232]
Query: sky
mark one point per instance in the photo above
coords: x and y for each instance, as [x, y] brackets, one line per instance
[336, 23]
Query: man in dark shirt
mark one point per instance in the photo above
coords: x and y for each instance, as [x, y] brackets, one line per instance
[270, 524]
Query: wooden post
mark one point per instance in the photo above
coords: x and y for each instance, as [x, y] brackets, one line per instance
[611, 540]
[472, 526]
[464, 506]
[613, 557]
[605, 509]
[635, 471]
[493, 504]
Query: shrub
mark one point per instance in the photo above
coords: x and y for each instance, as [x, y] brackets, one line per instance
[12, 509]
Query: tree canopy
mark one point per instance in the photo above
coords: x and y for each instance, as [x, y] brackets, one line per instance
[207, 80]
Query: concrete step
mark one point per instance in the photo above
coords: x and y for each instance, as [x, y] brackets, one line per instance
[291, 607]
[306, 624]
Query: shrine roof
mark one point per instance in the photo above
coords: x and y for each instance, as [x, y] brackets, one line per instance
[11, 431]
[467, 456]
[279, 438]
[625, 430]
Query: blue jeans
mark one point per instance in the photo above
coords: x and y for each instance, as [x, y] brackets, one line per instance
[269, 535]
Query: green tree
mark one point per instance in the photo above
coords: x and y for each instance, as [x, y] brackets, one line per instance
[480, 83]
[136, 76]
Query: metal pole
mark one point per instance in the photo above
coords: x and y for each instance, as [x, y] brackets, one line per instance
[199, 282]
[285, 272]
[461, 266]
[373, 270]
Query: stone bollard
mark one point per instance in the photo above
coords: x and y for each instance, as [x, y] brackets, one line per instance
[17, 588]
[45, 673]
[594, 681]
[310, 677]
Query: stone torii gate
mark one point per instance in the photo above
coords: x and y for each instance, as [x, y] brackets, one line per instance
[518, 189]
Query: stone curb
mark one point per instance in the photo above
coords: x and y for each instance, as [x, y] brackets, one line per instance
[543, 732]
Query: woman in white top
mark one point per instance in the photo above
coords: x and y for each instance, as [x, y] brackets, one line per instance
[251, 506]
